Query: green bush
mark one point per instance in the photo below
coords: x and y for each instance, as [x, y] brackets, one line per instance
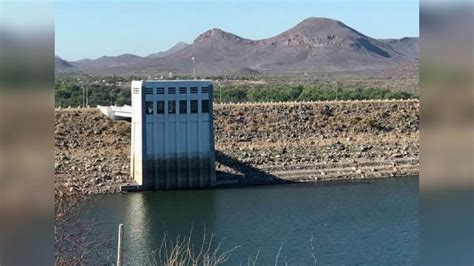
[303, 93]
[69, 92]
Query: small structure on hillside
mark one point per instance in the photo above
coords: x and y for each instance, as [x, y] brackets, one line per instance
[172, 134]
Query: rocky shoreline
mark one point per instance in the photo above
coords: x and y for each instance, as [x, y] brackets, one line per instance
[255, 144]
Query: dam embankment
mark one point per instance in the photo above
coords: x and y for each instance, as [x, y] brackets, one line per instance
[255, 144]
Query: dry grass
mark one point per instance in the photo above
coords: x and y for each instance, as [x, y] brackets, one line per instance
[180, 251]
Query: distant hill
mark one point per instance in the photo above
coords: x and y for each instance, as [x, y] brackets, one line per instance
[109, 62]
[177, 47]
[408, 46]
[61, 64]
[313, 45]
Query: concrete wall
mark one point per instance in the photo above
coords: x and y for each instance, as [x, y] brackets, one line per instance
[136, 158]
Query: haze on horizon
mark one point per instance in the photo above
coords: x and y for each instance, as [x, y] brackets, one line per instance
[94, 29]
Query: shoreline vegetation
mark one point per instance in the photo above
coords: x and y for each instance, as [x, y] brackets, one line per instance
[115, 90]
[256, 143]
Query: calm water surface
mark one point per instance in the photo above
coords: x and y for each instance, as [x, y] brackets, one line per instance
[369, 222]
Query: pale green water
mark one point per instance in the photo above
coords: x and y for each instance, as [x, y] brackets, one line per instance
[360, 223]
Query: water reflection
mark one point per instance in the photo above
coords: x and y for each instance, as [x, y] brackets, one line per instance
[136, 233]
[149, 216]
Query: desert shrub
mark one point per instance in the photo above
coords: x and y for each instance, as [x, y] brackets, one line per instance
[181, 251]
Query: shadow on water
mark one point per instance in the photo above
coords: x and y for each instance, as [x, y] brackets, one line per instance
[248, 174]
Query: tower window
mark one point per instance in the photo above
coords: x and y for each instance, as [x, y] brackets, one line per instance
[172, 107]
[194, 106]
[183, 106]
[160, 107]
[205, 106]
[148, 107]
[171, 90]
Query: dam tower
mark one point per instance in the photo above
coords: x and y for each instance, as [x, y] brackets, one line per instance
[172, 144]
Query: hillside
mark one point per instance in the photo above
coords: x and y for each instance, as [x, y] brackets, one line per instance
[406, 46]
[177, 47]
[61, 64]
[315, 45]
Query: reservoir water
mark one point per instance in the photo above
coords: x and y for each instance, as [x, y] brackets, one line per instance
[373, 222]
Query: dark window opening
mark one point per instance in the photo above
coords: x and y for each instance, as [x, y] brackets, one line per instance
[194, 90]
[183, 106]
[148, 107]
[160, 90]
[183, 90]
[148, 90]
[171, 90]
[160, 107]
[205, 106]
[205, 89]
[194, 106]
[171, 107]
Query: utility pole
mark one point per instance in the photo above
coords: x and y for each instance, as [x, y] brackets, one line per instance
[192, 58]
[119, 245]
[83, 97]
[87, 97]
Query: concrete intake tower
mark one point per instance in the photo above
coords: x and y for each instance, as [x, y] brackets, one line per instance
[172, 144]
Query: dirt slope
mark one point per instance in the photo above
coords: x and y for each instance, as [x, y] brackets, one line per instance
[290, 142]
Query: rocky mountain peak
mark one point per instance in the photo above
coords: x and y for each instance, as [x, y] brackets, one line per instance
[217, 33]
[319, 22]
[322, 28]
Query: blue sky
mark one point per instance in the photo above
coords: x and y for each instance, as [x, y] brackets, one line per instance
[90, 29]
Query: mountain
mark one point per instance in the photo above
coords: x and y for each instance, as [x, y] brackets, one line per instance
[121, 61]
[408, 46]
[61, 64]
[175, 48]
[313, 45]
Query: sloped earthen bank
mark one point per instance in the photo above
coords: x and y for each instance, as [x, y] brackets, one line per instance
[255, 144]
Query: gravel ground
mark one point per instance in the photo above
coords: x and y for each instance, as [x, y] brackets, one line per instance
[256, 144]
